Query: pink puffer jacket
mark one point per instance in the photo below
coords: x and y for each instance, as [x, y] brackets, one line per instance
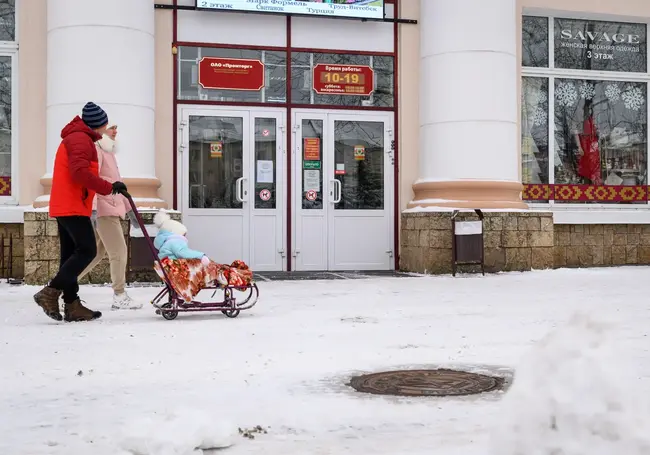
[111, 205]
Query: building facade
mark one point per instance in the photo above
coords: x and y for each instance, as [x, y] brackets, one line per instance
[321, 142]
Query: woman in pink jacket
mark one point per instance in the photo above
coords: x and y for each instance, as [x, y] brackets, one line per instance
[110, 210]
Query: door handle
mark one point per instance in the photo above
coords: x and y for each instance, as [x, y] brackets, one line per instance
[239, 189]
[337, 191]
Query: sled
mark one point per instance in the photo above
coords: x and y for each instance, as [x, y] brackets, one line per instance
[169, 303]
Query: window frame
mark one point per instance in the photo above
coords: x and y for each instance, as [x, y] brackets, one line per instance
[551, 73]
[10, 49]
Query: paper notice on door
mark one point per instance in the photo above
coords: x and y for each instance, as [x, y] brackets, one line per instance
[340, 169]
[311, 180]
[264, 171]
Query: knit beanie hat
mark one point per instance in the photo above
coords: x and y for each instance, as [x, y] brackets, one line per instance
[163, 222]
[94, 116]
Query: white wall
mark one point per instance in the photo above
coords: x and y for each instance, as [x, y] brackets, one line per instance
[231, 28]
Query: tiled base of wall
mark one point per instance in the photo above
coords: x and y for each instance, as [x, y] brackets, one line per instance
[601, 245]
[12, 261]
[523, 241]
[41, 246]
[514, 241]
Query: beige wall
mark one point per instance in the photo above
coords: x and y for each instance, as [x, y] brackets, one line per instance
[164, 103]
[32, 98]
[409, 94]
[629, 8]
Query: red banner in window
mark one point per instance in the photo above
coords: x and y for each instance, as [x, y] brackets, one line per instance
[231, 74]
[356, 80]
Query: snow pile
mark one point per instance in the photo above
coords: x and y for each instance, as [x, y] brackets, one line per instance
[184, 432]
[573, 395]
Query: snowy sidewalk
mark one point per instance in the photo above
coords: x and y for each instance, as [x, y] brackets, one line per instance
[70, 388]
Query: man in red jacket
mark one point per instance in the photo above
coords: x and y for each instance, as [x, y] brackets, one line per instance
[75, 181]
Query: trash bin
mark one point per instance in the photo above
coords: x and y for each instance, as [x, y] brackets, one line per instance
[467, 246]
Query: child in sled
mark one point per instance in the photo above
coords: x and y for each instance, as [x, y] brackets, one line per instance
[190, 270]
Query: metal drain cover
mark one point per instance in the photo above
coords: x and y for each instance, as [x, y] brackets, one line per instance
[421, 383]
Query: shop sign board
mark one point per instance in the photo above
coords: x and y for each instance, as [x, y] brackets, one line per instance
[231, 74]
[356, 80]
[600, 45]
[311, 149]
[311, 164]
[362, 9]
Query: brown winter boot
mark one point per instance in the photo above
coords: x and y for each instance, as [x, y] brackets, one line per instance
[76, 312]
[48, 299]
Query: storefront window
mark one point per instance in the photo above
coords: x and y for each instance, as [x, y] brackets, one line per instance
[600, 132]
[534, 48]
[245, 75]
[534, 130]
[7, 20]
[373, 83]
[595, 146]
[8, 53]
[600, 46]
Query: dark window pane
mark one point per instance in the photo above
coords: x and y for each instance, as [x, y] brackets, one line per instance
[5, 125]
[216, 152]
[8, 20]
[534, 49]
[265, 163]
[534, 130]
[302, 92]
[359, 164]
[600, 46]
[600, 132]
[275, 72]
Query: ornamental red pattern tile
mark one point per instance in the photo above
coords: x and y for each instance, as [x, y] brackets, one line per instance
[586, 193]
[5, 186]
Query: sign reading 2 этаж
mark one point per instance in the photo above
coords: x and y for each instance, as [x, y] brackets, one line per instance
[365, 9]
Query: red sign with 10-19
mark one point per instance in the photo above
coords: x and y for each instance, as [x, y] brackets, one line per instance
[343, 79]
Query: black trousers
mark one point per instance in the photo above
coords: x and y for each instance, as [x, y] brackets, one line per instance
[78, 249]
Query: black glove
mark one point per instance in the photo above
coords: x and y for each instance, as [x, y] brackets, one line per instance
[119, 188]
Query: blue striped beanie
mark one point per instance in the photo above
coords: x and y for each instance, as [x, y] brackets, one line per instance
[94, 116]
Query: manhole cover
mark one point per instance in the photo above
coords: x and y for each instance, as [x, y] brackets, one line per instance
[415, 383]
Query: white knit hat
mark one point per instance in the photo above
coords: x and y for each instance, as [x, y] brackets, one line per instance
[163, 222]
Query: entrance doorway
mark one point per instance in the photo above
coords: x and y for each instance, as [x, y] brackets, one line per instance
[232, 184]
[342, 191]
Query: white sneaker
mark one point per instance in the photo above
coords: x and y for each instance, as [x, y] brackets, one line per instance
[124, 302]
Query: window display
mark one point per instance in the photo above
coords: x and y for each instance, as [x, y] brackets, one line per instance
[600, 132]
[584, 136]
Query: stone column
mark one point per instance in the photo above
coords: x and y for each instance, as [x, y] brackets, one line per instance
[104, 52]
[468, 105]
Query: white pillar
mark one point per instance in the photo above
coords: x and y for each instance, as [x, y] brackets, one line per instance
[468, 103]
[103, 51]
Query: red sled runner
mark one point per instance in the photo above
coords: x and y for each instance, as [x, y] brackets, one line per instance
[185, 278]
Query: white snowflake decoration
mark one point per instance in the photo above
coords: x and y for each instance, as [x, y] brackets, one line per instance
[633, 99]
[566, 94]
[587, 90]
[539, 116]
[613, 92]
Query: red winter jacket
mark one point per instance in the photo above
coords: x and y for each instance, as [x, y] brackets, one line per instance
[75, 179]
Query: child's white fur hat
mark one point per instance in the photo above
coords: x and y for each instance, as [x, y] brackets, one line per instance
[163, 222]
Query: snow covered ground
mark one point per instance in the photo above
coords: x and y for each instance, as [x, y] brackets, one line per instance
[134, 380]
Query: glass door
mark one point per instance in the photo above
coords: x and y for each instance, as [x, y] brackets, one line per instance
[215, 152]
[233, 184]
[360, 222]
[343, 180]
[313, 193]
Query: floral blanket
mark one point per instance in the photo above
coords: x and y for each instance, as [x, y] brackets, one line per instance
[189, 276]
